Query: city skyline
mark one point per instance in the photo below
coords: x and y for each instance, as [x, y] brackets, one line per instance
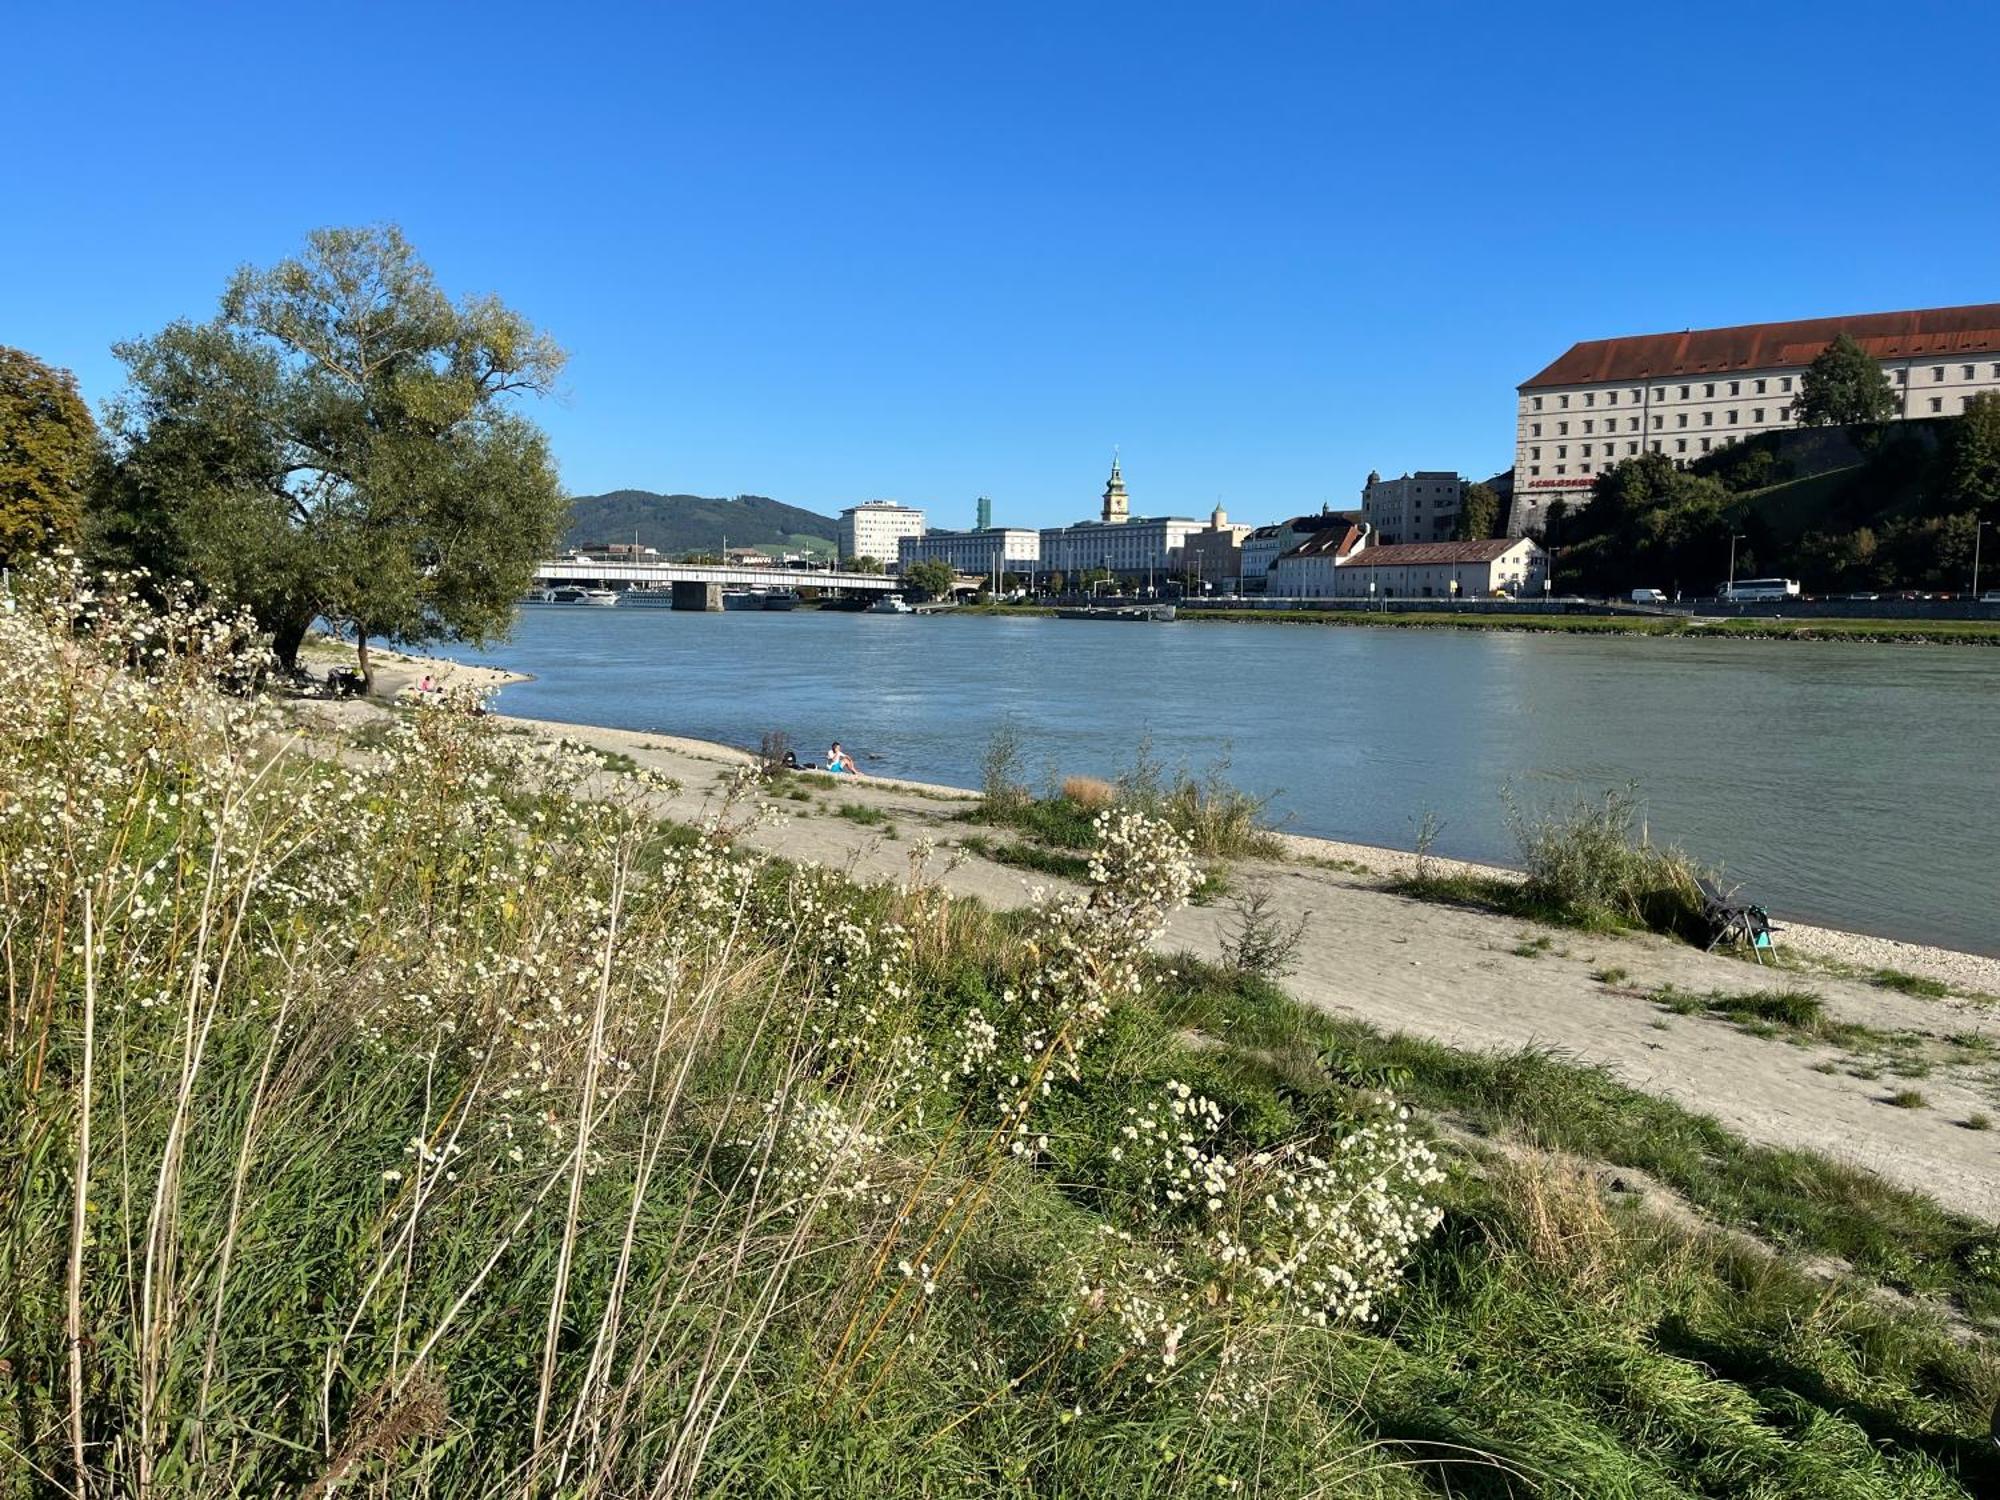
[914, 256]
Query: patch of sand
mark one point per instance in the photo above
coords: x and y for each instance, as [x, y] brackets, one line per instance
[1452, 974]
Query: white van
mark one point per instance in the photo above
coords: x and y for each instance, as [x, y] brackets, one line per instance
[1648, 596]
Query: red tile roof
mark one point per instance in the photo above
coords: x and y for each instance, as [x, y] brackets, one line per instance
[1776, 346]
[1431, 554]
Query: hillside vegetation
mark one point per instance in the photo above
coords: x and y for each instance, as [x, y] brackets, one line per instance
[417, 1117]
[1884, 506]
[697, 523]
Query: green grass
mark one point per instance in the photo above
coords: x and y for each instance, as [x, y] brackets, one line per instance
[1908, 1099]
[862, 813]
[1028, 856]
[1910, 984]
[1946, 632]
[491, 1130]
[1795, 1200]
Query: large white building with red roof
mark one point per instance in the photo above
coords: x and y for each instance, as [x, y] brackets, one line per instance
[1689, 393]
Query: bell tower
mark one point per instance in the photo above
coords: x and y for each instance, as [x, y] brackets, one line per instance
[1116, 509]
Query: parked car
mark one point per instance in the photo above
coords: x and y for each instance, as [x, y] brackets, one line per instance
[1991, 596]
[1648, 596]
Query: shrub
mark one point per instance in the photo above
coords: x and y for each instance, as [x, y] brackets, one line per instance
[1585, 867]
[1261, 943]
[772, 750]
[1000, 771]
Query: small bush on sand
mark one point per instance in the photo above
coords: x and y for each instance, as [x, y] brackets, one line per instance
[772, 750]
[1000, 770]
[1588, 867]
[1261, 943]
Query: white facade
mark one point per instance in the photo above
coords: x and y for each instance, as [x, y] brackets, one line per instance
[1442, 570]
[1686, 394]
[1014, 549]
[1267, 544]
[1131, 549]
[1306, 572]
[873, 529]
[1419, 507]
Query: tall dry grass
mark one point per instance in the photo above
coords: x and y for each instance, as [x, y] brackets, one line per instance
[401, 1118]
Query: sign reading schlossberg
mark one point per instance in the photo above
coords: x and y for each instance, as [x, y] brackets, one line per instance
[1581, 482]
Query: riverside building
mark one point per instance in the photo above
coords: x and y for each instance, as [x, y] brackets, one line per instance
[1011, 549]
[1688, 393]
[1133, 549]
[1213, 556]
[1419, 507]
[1267, 544]
[874, 528]
[1441, 570]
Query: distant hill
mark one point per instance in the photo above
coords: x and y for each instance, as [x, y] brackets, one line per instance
[697, 523]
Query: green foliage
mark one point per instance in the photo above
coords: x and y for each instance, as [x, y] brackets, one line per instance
[932, 578]
[339, 441]
[1974, 459]
[1843, 386]
[583, 1155]
[1587, 865]
[1649, 524]
[48, 444]
[1479, 516]
[870, 565]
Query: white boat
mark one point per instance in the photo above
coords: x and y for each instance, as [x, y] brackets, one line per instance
[890, 604]
[601, 597]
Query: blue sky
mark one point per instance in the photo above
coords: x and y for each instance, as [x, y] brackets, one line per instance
[829, 252]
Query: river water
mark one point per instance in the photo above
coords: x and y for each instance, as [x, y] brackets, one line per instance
[1852, 785]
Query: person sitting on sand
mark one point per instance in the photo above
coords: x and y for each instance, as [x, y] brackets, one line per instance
[427, 686]
[837, 763]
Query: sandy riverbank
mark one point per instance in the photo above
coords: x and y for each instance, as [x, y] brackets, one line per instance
[1471, 978]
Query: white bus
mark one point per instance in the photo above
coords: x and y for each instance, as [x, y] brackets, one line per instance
[1760, 588]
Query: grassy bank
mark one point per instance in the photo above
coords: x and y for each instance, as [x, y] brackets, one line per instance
[398, 1118]
[1944, 632]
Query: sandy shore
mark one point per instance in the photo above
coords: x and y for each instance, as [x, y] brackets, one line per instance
[1470, 978]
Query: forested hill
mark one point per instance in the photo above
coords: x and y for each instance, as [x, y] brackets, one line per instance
[696, 523]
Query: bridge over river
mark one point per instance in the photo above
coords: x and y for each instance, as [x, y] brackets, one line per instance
[700, 585]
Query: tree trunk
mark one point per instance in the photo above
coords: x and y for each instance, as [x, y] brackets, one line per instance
[362, 661]
[287, 636]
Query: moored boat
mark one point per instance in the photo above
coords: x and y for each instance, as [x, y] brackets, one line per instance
[890, 604]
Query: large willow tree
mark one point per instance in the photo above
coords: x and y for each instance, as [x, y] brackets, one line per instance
[340, 440]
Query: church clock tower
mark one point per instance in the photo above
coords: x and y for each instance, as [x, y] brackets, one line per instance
[1116, 511]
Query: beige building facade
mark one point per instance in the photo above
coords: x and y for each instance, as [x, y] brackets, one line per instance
[1213, 556]
[1690, 393]
[1419, 507]
[874, 528]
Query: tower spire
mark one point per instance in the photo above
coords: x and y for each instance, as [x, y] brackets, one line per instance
[1116, 509]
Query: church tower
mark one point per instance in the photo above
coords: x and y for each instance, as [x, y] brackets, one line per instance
[1116, 511]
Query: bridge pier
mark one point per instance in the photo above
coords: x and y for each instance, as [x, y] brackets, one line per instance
[703, 596]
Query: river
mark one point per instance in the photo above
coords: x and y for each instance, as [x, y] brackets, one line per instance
[1847, 784]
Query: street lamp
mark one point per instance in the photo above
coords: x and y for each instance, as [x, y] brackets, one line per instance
[1734, 538]
[1977, 532]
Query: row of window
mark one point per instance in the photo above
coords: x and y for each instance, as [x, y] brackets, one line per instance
[1731, 418]
[1759, 387]
[1585, 470]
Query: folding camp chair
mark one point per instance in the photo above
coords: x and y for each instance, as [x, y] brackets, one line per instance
[1736, 922]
